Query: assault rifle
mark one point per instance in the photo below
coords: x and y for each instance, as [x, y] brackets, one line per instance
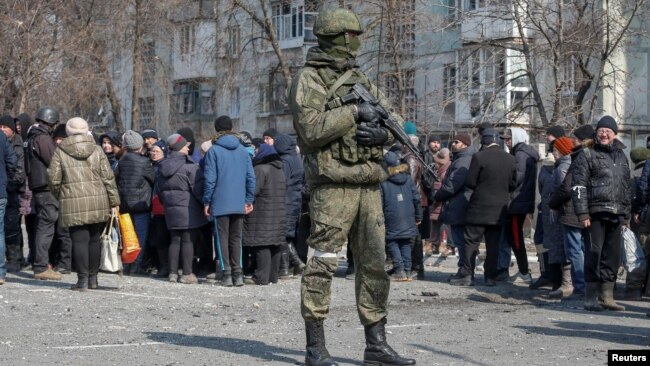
[360, 93]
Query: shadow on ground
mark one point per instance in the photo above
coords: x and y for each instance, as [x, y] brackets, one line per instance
[626, 335]
[455, 356]
[248, 347]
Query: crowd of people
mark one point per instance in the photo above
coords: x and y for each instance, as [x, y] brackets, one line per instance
[224, 208]
[234, 209]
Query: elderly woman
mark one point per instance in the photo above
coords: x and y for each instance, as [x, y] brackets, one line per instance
[81, 179]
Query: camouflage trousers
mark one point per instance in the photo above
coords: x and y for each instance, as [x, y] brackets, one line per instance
[343, 212]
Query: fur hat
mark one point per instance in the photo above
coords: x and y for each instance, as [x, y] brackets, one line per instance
[607, 122]
[556, 131]
[76, 126]
[584, 132]
[549, 160]
[564, 145]
[132, 140]
[442, 157]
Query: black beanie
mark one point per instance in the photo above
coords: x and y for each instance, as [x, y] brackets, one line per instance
[223, 123]
[433, 138]
[555, 131]
[584, 132]
[188, 135]
[8, 121]
[25, 121]
[608, 122]
[59, 131]
[271, 132]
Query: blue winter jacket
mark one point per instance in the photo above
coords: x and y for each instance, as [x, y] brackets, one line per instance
[7, 164]
[229, 177]
[401, 204]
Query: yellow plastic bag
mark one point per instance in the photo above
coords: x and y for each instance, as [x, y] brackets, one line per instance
[130, 243]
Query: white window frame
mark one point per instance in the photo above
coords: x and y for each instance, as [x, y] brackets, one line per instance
[288, 20]
[147, 111]
[234, 103]
[187, 40]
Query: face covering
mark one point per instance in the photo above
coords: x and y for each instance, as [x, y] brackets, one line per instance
[340, 46]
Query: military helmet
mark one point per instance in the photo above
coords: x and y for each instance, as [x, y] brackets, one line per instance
[335, 21]
[47, 115]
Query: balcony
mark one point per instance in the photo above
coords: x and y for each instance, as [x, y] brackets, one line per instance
[487, 24]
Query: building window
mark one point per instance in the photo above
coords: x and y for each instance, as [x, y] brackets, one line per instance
[264, 102]
[187, 40]
[149, 63]
[449, 81]
[410, 99]
[288, 21]
[208, 101]
[234, 34]
[406, 35]
[186, 94]
[234, 103]
[147, 111]
[568, 78]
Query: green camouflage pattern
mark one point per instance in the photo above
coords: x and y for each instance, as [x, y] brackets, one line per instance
[336, 21]
[342, 212]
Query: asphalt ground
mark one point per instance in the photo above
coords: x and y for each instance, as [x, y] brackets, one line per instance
[146, 321]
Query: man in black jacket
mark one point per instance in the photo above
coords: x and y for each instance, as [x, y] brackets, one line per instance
[294, 175]
[39, 151]
[522, 202]
[13, 232]
[601, 199]
[453, 194]
[492, 176]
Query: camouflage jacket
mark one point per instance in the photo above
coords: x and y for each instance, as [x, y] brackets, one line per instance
[326, 132]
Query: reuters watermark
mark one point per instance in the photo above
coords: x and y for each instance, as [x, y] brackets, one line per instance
[628, 357]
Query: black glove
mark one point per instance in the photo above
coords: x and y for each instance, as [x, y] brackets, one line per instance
[371, 136]
[368, 113]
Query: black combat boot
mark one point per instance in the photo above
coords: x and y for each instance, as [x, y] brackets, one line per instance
[92, 281]
[378, 352]
[317, 354]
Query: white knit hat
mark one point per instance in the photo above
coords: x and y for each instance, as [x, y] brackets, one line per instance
[76, 126]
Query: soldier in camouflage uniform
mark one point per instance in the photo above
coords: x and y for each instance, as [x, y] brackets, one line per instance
[342, 145]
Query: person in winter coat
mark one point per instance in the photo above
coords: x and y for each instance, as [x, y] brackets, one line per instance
[442, 161]
[492, 177]
[179, 184]
[601, 198]
[39, 150]
[453, 195]
[23, 122]
[112, 146]
[13, 231]
[7, 172]
[135, 178]
[265, 228]
[402, 207]
[228, 196]
[573, 230]
[159, 234]
[636, 281]
[560, 266]
[294, 175]
[81, 178]
[522, 201]
[425, 228]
